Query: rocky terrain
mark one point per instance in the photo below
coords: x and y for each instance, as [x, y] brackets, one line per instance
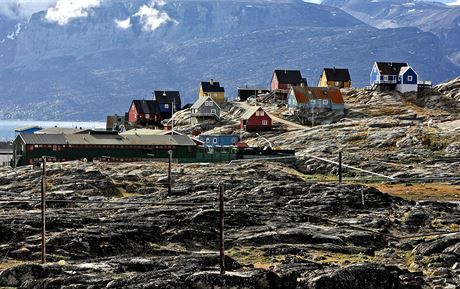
[288, 224]
[113, 226]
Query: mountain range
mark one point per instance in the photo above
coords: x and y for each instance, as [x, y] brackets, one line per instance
[85, 63]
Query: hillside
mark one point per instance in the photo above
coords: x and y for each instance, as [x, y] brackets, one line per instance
[288, 224]
[92, 66]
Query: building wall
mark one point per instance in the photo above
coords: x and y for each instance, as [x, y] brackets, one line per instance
[406, 87]
[274, 84]
[255, 122]
[132, 114]
[323, 80]
[375, 75]
[207, 109]
[219, 140]
[410, 73]
[115, 153]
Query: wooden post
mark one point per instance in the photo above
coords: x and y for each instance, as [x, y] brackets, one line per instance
[169, 172]
[221, 229]
[340, 166]
[43, 211]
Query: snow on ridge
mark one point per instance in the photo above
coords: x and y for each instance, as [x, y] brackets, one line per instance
[64, 11]
[123, 24]
[151, 17]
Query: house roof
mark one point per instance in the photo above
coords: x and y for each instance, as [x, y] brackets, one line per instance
[79, 139]
[61, 130]
[337, 74]
[164, 96]
[214, 87]
[146, 106]
[251, 111]
[24, 128]
[304, 94]
[147, 131]
[201, 100]
[390, 68]
[288, 76]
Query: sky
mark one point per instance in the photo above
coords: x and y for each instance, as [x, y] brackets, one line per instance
[61, 11]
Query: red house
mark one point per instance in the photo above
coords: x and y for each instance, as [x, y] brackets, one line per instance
[255, 118]
[144, 112]
[285, 79]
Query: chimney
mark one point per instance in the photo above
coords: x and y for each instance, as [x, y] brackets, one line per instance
[164, 93]
[211, 82]
[334, 69]
[302, 84]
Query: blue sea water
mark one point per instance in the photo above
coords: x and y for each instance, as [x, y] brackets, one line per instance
[7, 127]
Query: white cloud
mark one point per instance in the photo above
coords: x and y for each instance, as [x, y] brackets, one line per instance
[66, 10]
[123, 24]
[313, 1]
[151, 17]
[23, 8]
[454, 3]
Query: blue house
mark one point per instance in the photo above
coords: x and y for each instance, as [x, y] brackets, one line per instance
[393, 76]
[166, 100]
[224, 140]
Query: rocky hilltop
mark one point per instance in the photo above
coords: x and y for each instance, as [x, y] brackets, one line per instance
[288, 224]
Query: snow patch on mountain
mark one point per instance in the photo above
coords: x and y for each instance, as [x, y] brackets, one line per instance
[123, 24]
[151, 17]
[64, 11]
[15, 33]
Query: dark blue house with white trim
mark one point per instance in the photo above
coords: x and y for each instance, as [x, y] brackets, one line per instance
[224, 140]
[166, 100]
[393, 76]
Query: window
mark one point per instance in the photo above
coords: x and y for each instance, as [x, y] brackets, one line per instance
[208, 103]
[214, 140]
[147, 115]
[207, 140]
[385, 77]
[409, 78]
[337, 83]
[325, 102]
[167, 105]
[264, 122]
[262, 113]
[215, 94]
[313, 101]
[213, 111]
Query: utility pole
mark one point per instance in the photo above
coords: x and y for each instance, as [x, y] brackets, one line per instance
[169, 172]
[340, 166]
[221, 229]
[43, 211]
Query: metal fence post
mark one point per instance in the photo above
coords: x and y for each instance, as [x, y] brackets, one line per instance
[340, 166]
[221, 229]
[43, 211]
[169, 172]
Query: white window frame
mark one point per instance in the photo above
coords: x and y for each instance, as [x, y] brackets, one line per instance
[264, 122]
[313, 101]
[166, 105]
[261, 113]
[325, 102]
[208, 140]
[385, 78]
[409, 78]
[147, 115]
[214, 111]
[214, 140]
[208, 103]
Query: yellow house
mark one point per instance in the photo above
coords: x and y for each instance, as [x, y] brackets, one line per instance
[212, 89]
[335, 77]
